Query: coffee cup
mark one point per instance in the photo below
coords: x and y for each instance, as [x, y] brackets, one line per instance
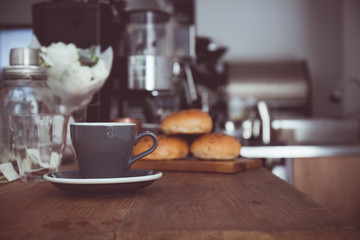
[103, 150]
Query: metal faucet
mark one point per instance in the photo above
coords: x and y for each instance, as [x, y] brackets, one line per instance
[264, 114]
[258, 125]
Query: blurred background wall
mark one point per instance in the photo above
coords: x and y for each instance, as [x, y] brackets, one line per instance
[325, 33]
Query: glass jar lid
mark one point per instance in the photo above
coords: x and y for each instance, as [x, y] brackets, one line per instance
[24, 63]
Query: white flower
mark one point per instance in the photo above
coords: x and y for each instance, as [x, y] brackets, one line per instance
[60, 54]
[99, 71]
[72, 82]
[77, 78]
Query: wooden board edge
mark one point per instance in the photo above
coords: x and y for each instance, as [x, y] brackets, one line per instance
[238, 165]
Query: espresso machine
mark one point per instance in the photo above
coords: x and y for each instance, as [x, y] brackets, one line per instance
[158, 60]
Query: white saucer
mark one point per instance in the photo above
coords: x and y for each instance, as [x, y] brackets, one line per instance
[133, 180]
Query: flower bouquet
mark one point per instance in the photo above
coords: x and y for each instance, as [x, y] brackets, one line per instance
[74, 74]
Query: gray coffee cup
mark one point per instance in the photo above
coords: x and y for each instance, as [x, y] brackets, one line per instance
[103, 150]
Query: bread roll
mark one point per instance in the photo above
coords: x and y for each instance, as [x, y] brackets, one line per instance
[191, 121]
[169, 147]
[216, 146]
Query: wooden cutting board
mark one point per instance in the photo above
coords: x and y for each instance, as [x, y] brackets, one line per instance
[194, 165]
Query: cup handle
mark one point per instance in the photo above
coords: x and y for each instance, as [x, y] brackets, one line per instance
[147, 152]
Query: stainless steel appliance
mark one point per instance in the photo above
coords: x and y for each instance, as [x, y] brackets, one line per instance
[146, 42]
[261, 91]
[148, 47]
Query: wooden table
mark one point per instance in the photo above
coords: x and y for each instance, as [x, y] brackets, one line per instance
[180, 205]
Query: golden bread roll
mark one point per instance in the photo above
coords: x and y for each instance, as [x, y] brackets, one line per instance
[191, 121]
[216, 146]
[168, 148]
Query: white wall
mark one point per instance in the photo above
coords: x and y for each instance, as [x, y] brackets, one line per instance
[351, 64]
[278, 29]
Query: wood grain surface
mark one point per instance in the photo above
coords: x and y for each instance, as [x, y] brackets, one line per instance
[248, 205]
[194, 165]
[333, 182]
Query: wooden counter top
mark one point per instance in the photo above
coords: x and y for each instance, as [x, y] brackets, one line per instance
[180, 205]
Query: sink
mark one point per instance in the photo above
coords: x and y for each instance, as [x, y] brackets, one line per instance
[307, 138]
[308, 151]
[266, 128]
[315, 131]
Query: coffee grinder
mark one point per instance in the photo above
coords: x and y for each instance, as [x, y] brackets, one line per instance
[148, 47]
[146, 63]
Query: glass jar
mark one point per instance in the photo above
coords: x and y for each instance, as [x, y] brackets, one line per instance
[24, 90]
